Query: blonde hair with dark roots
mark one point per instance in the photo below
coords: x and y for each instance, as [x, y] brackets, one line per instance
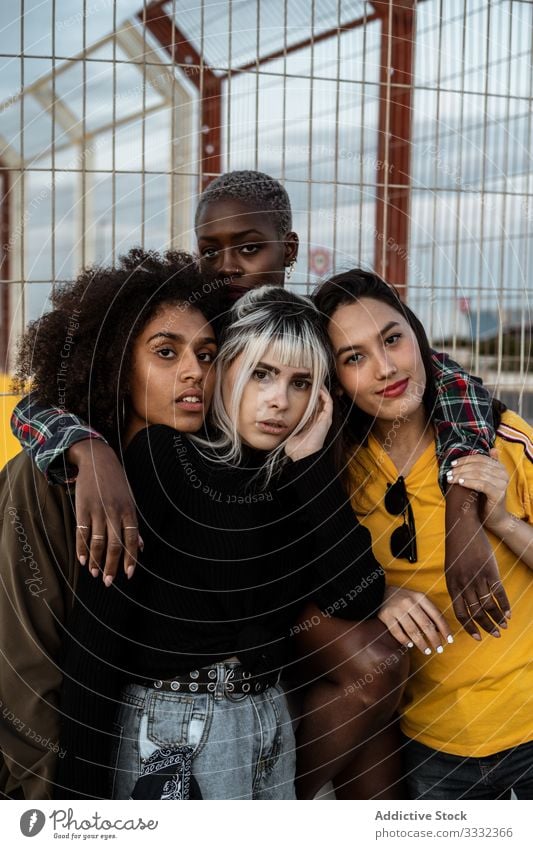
[290, 326]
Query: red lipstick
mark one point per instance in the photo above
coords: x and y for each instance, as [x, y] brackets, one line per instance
[395, 389]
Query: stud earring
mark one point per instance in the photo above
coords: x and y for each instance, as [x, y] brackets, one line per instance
[290, 269]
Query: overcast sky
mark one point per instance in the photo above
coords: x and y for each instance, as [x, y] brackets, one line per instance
[462, 241]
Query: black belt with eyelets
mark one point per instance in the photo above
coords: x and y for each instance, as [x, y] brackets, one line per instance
[235, 680]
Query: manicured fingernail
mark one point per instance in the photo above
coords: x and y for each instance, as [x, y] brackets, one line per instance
[82, 559]
[449, 638]
[507, 614]
[410, 645]
[449, 477]
[427, 651]
[477, 637]
[129, 571]
[503, 624]
[108, 580]
[439, 649]
[461, 480]
[453, 463]
[140, 543]
[95, 572]
[495, 633]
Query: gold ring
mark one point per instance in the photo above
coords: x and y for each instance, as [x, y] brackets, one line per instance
[474, 603]
[97, 536]
[488, 595]
[131, 528]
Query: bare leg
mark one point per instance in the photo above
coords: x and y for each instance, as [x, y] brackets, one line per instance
[375, 771]
[355, 673]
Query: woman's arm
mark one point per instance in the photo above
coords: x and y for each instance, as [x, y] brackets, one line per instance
[462, 416]
[518, 536]
[46, 433]
[488, 476]
[65, 449]
[464, 426]
[107, 529]
[414, 620]
[470, 567]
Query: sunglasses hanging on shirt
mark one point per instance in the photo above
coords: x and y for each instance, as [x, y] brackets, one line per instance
[403, 539]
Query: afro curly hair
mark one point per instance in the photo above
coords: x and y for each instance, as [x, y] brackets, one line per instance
[78, 356]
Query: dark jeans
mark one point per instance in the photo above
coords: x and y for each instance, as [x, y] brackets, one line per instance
[432, 774]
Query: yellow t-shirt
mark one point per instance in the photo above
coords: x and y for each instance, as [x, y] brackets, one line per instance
[476, 698]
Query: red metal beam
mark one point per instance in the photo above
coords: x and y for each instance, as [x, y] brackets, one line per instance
[394, 141]
[300, 45]
[209, 85]
[392, 210]
[5, 269]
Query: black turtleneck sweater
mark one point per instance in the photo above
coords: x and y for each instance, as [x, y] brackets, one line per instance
[226, 567]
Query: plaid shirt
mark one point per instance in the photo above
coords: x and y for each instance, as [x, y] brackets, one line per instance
[46, 433]
[462, 418]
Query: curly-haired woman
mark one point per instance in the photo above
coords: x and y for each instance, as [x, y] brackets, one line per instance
[83, 351]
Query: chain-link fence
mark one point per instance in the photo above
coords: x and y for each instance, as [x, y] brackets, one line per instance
[402, 131]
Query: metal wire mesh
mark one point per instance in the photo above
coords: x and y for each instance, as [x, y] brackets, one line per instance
[402, 132]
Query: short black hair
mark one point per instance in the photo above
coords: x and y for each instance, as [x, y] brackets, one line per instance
[254, 188]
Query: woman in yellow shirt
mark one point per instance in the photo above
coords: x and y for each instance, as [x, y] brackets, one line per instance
[467, 711]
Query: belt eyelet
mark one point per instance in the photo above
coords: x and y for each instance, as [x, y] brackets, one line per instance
[174, 685]
[193, 687]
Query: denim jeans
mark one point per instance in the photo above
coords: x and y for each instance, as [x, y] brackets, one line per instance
[244, 747]
[436, 775]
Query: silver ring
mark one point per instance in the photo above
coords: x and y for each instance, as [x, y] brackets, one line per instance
[82, 527]
[131, 528]
[98, 536]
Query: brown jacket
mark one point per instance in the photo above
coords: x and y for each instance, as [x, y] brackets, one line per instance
[38, 569]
